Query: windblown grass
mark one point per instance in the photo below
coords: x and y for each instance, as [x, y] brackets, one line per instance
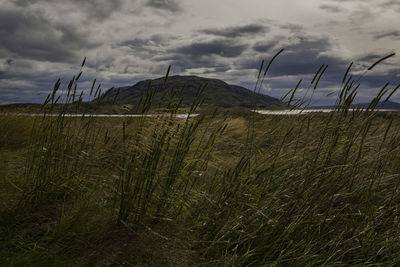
[220, 189]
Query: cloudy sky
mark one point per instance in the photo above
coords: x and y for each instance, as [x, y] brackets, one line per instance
[129, 40]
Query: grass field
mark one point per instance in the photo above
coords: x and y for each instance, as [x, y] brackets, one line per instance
[226, 188]
[307, 190]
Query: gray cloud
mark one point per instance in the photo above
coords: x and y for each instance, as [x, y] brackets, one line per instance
[387, 69]
[144, 44]
[265, 46]
[389, 34]
[392, 4]
[304, 56]
[332, 8]
[246, 30]
[27, 35]
[370, 58]
[168, 5]
[127, 41]
[94, 9]
[182, 63]
[301, 59]
[293, 28]
[354, 1]
[219, 47]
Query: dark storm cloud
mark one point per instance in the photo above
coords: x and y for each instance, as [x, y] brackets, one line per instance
[369, 59]
[16, 87]
[376, 82]
[136, 44]
[374, 79]
[127, 41]
[142, 44]
[27, 35]
[25, 72]
[247, 30]
[264, 47]
[220, 47]
[181, 62]
[305, 56]
[168, 5]
[212, 56]
[94, 9]
[389, 34]
[301, 59]
[332, 8]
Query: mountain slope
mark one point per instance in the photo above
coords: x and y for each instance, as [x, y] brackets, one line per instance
[217, 93]
[381, 105]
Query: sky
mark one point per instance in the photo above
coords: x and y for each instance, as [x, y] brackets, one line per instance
[128, 41]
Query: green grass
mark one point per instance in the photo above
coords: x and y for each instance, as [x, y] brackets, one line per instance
[234, 188]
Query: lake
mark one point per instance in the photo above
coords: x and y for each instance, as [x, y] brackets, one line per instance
[80, 115]
[185, 115]
[306, 111]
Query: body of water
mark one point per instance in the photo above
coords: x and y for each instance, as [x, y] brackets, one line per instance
[306, 111]
[80, 115]
[185, 115]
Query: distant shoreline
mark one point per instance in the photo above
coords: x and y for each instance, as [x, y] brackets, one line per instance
[306, 111]
[79, 115]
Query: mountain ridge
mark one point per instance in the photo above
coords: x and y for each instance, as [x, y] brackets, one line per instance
[217, 93]
[381, 105]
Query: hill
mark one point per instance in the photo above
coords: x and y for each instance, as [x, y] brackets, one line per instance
[217, 93]
[381, 105]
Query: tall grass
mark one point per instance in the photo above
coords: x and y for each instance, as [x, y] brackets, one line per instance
[227, 189]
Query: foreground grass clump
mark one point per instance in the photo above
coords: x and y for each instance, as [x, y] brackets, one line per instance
[218, 189]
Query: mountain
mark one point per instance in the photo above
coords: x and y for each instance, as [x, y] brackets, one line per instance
[381, 105]
[217, 93]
